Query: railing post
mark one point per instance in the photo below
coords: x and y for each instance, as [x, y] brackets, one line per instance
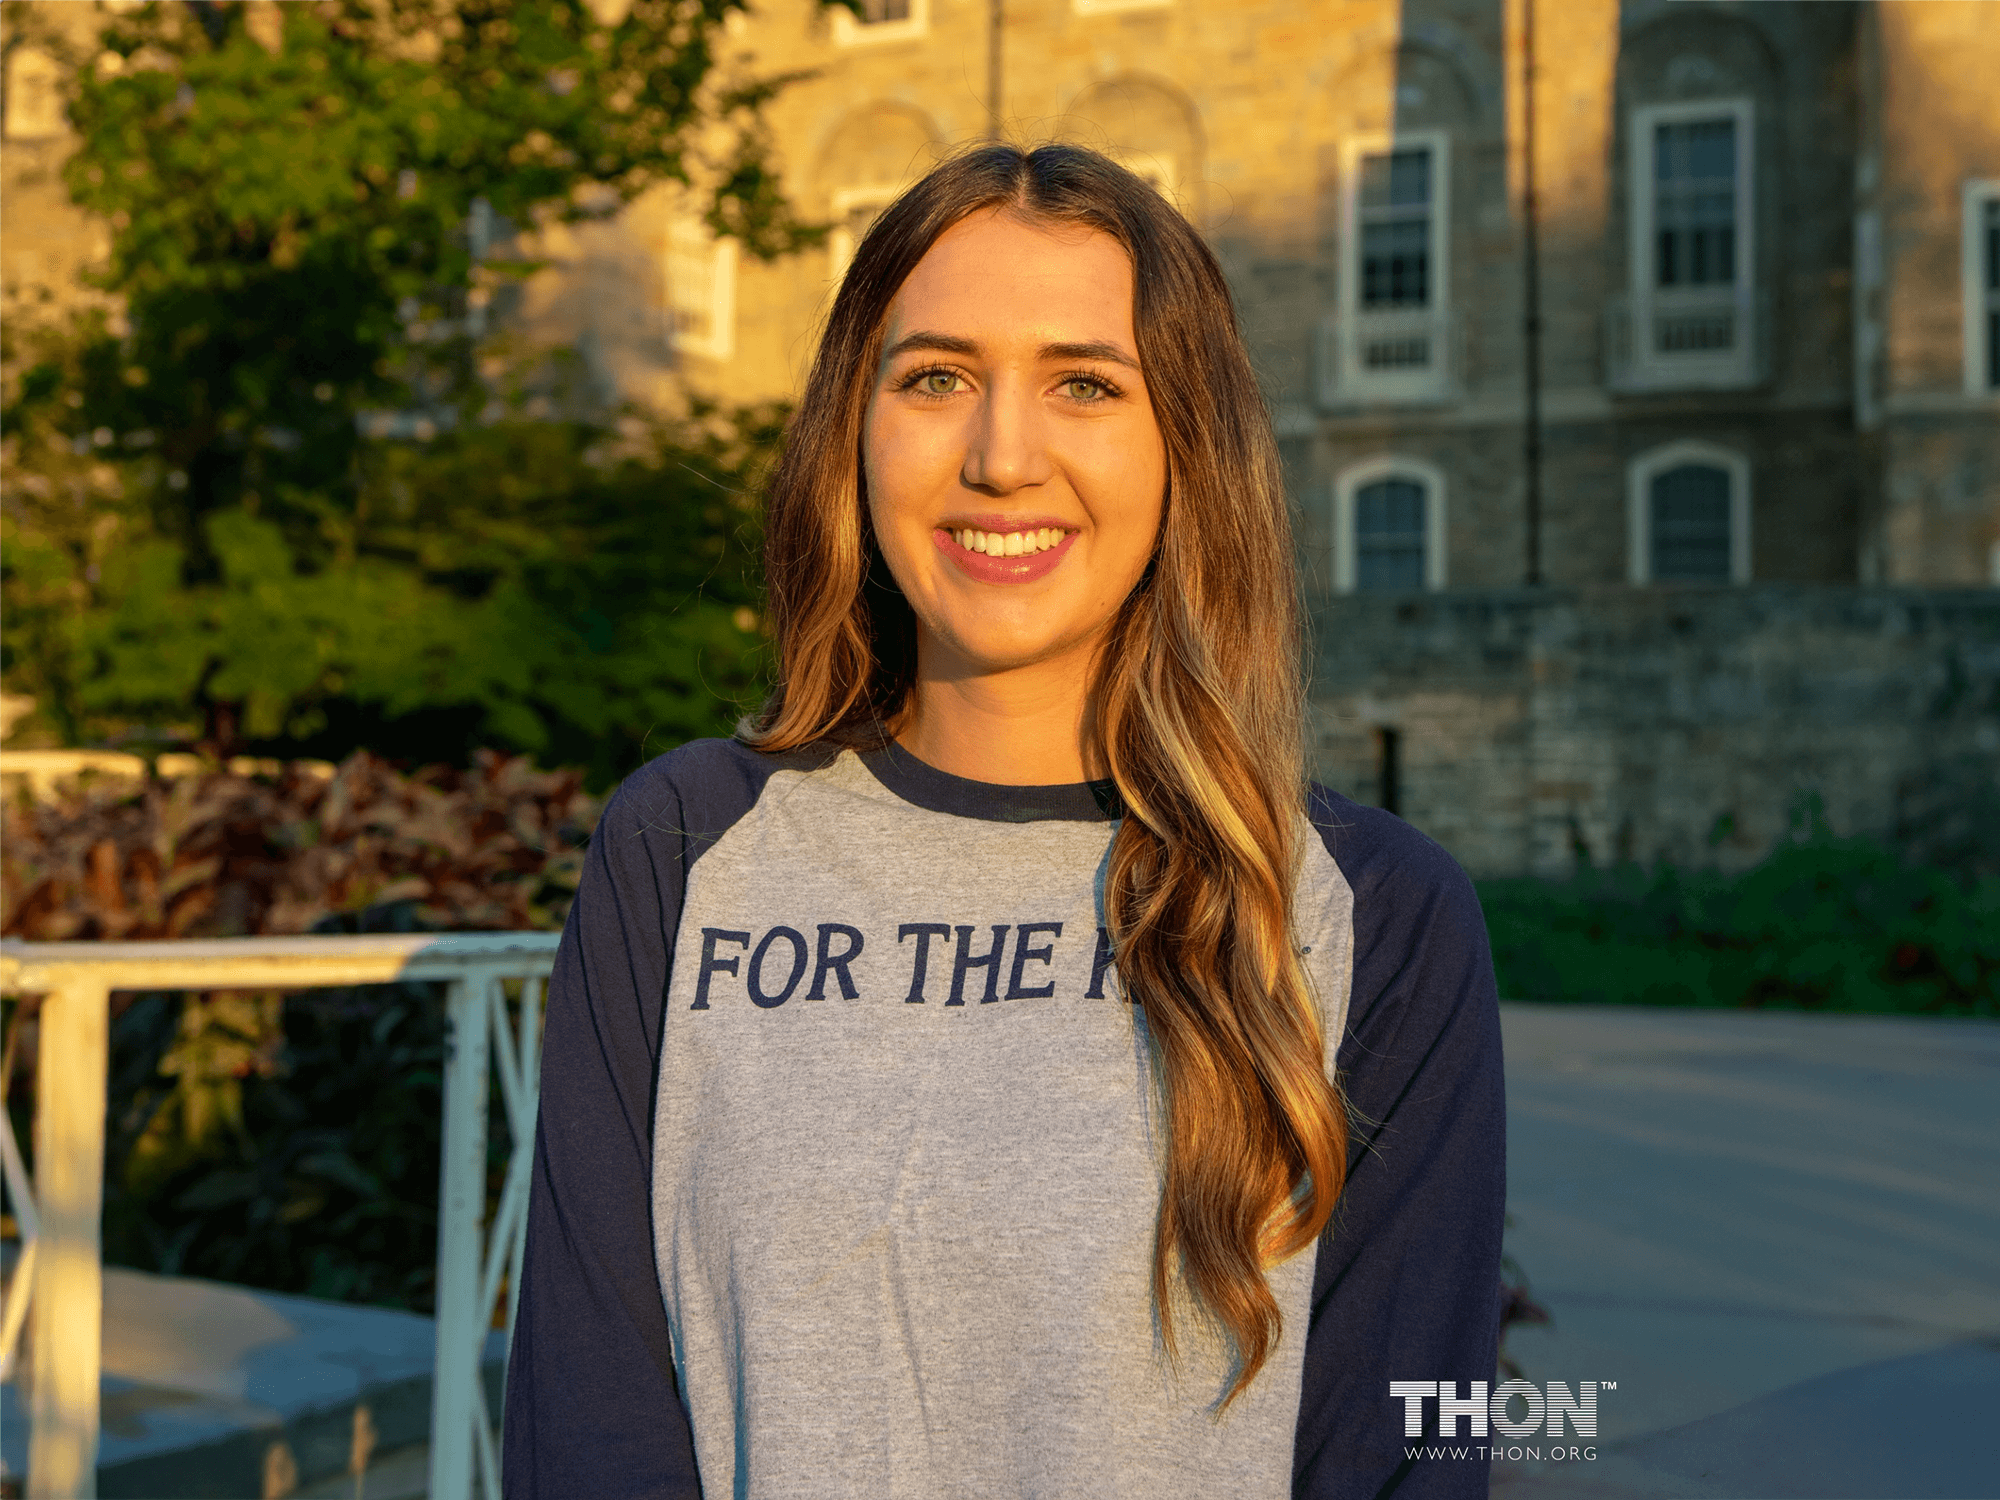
[461, 1322]
[67, 1310]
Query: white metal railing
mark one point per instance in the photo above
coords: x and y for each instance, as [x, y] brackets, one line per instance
[58, 1280]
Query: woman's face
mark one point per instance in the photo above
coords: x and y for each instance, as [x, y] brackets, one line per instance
[1015, 471]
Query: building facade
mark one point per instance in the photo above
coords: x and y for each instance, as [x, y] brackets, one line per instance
[1766, 249]
[1592, 333]
[1763, 469]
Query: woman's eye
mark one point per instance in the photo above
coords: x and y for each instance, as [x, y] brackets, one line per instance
[938, 383]
[1080, 389]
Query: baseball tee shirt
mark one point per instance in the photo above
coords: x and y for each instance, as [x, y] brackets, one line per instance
[848, 1162]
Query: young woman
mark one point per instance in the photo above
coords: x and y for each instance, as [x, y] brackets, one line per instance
[996, 1072]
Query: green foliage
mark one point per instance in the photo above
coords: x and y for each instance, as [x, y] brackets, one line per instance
[288, 1142]
[1823, 923]
[256, 1142]
[198, 519]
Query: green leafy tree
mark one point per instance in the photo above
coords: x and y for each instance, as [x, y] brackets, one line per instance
[201, 517]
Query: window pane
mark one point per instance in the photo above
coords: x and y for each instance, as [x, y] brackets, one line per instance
[1389, 535]
[1395, 224]
[691, 281]
[1690, 524]
[1397, 179]
[873, 11]
[691, 293]
[1694, 203]
[1395, 265]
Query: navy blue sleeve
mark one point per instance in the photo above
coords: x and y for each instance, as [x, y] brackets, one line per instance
[592, 1404]
[1407, 1285]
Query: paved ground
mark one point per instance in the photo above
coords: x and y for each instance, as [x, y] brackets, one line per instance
[212, 1389]
[1779, 1235]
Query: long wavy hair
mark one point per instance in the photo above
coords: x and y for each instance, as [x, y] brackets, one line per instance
[1195, 711]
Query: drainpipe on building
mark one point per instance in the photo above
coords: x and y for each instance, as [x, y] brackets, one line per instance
[994, 22]
[1531, 323]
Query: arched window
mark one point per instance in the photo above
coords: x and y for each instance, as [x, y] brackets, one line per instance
[1389, 527]
[1690, 515]
[875, 152]
[1146, 124]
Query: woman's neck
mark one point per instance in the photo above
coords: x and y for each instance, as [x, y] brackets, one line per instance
[1016, 728]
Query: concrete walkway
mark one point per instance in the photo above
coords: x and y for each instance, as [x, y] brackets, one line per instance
[221, 1390]
[1775, 1238]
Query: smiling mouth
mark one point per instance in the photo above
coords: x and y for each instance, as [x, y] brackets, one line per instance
[1009, 543]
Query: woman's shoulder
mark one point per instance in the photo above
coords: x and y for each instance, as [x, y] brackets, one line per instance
[1420, 955]
[701, 787]
[1383, 859]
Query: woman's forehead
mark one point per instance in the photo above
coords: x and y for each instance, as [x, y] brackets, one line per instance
[1001, 281]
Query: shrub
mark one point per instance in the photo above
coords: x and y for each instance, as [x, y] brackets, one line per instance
[1823, 923]
[288, 1142]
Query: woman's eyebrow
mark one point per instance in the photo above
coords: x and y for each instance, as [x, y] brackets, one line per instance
[947, 343]
[1093, 349]
[941, 343]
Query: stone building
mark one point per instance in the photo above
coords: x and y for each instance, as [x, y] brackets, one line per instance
[1749, 405]
[1766, 372]
[1765, 244]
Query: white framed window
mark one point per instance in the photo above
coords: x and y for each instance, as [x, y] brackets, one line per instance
[1389, 338]
[1388, 526]
[701, 290]
[882, 21]
[34, 96]
[1688, 515]
[1982, 287]
[854, 211]
[1693, 256]
[1106, 7]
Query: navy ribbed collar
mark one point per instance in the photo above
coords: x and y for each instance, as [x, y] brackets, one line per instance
[925, 786]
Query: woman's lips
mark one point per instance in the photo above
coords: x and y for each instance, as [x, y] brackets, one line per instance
[988, 567]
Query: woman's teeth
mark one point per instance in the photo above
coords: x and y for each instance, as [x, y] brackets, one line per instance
[1010, 544]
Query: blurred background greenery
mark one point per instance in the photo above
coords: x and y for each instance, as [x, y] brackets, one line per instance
[288, 486]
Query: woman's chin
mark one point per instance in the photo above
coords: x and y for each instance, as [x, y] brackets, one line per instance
[995, 653]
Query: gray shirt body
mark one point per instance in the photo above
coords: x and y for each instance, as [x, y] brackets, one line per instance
[906, 1166]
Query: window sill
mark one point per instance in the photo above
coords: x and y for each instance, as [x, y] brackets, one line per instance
[1347, 383]
[1630, 372]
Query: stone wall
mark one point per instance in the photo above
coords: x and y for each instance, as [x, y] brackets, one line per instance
[1533, 727]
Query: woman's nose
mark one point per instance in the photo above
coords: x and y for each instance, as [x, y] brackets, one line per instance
[1008, 449]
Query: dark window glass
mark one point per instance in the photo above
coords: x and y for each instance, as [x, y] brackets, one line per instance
[1690, 524]
[1694, 203]
[1395, 213]
[1389, 535]
[874, 11]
